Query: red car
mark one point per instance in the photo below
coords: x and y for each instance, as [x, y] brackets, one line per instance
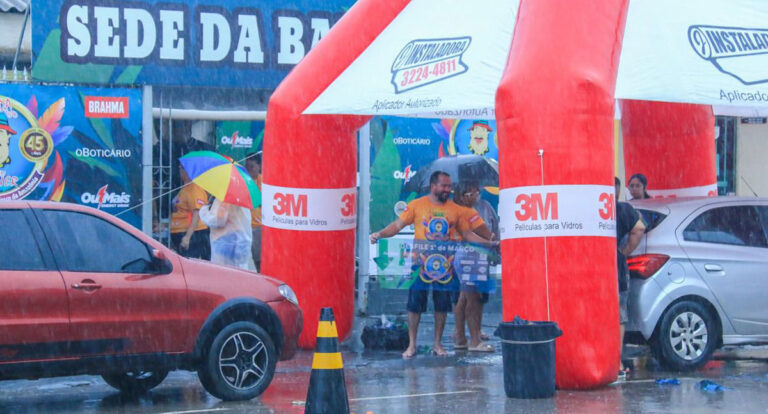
[82, 292]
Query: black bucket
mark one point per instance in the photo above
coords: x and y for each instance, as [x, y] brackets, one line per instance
[528, 349]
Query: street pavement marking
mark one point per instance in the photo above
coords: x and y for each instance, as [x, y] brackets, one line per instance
[412, 395]
[209, 410]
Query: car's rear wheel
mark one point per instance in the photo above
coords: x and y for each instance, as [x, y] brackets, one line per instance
[687, 336]
[240, 362]
[135, 382]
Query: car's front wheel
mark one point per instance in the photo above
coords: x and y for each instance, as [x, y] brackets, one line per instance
[240, 362]
[135, 382]
[687, 336]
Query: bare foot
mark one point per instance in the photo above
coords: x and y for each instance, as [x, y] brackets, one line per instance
[409, 353]
[439, 350]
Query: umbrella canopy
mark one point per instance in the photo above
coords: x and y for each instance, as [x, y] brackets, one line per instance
[485, 171]
[222, 177]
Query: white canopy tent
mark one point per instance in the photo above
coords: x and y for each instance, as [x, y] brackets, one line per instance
[449, 64]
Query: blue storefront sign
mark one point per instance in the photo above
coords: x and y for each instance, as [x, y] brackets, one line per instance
[222, 43]
[72, 144]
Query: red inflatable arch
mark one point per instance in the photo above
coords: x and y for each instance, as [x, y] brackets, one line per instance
[562, 103]
[685, 131]
[316, 153]
[554, 108]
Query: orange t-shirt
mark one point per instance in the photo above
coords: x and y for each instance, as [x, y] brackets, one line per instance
[189, 200]
[256, 212]
[439, 221]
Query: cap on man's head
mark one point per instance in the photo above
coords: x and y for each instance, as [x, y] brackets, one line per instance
[483, 124]
[5, 125]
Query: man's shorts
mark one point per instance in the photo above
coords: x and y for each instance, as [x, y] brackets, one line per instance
[623, 308]
[484, 297]
[417, 300]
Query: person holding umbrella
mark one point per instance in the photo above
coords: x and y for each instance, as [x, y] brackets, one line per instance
[229, 215]
[230, 233]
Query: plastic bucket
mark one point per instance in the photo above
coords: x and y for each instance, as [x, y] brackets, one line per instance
[528, 350]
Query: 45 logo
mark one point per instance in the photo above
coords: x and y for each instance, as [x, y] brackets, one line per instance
[536, 206]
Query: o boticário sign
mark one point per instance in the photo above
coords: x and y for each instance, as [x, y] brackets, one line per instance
[557, 210]
[308, 209]
[221, 43]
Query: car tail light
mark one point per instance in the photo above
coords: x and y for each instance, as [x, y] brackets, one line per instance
[646, 265]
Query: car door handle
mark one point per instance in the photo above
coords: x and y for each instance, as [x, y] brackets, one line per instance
[86, 286]
[713, 268]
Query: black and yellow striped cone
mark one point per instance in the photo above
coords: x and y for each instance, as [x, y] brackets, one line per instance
[327, 391]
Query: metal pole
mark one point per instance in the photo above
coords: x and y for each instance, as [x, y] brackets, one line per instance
[363, 217]
[21, 35]
[146, 160]
[170, 163]
[160, 160]
[204, 115]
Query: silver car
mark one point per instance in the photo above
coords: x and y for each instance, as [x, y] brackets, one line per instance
[699, 278]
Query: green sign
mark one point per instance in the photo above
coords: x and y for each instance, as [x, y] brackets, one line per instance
[237, 139]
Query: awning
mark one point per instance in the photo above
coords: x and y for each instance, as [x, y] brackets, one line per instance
[437, 58]
[445, 59]
[698, 51]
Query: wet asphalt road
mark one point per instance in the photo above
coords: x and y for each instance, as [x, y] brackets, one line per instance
[384, 383]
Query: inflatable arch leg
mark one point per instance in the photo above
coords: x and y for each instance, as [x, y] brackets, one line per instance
[309, 167]
[686, 132]
[557, 96]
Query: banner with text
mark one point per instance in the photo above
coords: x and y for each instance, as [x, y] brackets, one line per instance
[308, 209]
[557, 210]
[437, 58]
[698, 51]
[72, 144]
[399, 148]
[222, 43]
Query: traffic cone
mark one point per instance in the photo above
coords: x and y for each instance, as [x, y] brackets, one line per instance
[327, 392]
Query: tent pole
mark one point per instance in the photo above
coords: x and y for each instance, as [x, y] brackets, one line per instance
[146, 160]
[363, 216]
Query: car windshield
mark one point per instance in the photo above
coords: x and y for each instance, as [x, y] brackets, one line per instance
[651, 218]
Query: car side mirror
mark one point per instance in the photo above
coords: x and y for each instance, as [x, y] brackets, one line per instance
[160, 262]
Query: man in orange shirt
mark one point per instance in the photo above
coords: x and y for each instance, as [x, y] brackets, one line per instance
[253, 165]
[189, 235]
[436, 219]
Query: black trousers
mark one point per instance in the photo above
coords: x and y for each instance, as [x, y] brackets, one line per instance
[199, 244]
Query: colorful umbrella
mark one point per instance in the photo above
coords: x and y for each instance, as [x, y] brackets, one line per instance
[222, 177]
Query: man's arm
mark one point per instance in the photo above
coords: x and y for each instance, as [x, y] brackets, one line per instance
[484, 232]
[635, 235]
[470, 236]
[389, 231]
[191, 229]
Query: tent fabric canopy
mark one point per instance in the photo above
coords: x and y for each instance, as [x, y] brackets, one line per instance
[445, 59]
[436, 58]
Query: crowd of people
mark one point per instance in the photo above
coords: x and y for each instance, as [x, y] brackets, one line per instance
[204, 227]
